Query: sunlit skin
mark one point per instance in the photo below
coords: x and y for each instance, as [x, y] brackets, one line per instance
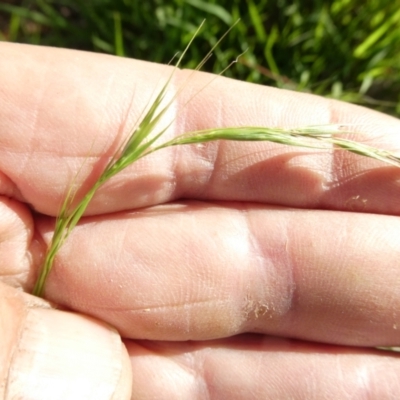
[227, 270]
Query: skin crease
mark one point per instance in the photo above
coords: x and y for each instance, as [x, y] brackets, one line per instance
[224, 270]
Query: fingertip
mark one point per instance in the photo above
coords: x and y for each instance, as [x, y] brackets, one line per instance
[124, 386]
[68, 356]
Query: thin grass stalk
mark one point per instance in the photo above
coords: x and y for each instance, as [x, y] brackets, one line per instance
[141, 140]
[302, 137]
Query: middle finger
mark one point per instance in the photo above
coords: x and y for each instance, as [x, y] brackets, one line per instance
[198, 271]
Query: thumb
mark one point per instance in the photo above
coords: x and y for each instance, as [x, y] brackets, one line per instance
[47, 353]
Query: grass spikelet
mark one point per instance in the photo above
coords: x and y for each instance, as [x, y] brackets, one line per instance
[141, 140]
[136, 146]
[316, 137]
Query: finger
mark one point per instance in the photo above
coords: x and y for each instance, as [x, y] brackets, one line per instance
[64, 111]
[257, 367]
[196, 271]
[47, 354]
[21, 247]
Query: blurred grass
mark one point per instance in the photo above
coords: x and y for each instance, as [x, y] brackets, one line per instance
[345, 49]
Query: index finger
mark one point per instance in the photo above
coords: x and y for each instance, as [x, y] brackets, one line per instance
[65, 111]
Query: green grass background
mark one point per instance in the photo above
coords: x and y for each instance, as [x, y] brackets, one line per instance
[345, 49]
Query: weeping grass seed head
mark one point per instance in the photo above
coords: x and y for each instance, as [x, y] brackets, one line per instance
[141, 143]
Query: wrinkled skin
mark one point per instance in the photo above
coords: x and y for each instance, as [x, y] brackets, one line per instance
[220, 271]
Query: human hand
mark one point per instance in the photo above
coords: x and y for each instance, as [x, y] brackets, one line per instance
[230, 270]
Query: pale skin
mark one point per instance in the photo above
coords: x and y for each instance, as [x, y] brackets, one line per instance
[227, 270]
